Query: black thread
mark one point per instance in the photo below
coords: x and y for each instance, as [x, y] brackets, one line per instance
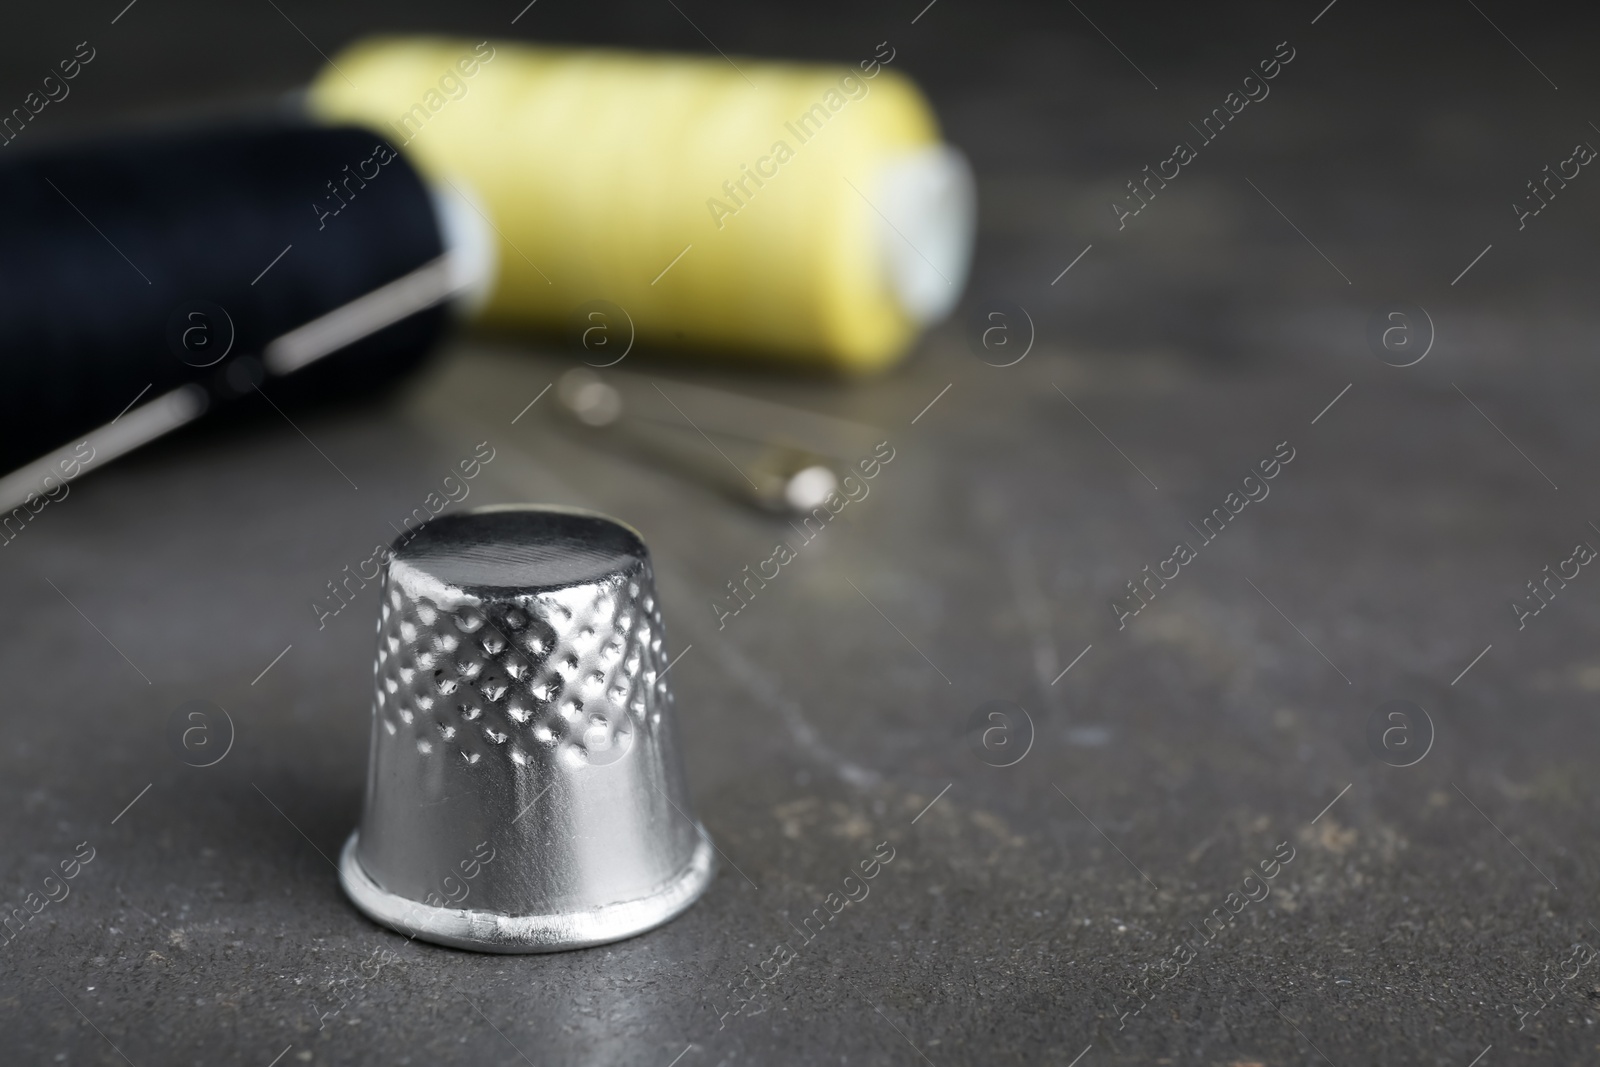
[103, 244]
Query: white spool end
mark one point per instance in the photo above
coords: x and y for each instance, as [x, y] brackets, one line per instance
[469, 240]
[929, 206]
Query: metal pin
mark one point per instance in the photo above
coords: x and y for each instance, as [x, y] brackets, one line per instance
[774, 476]
[116, 438]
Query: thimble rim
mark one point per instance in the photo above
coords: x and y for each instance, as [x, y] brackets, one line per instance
[416, 551]
[559, 509]
[488, 931]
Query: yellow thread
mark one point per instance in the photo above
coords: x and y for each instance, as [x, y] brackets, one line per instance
[721, 207]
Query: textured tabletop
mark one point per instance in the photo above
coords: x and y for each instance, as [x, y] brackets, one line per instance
[1201, 687]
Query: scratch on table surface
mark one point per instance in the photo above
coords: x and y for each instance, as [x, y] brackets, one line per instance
[994, 513]
[1034, 611]
[765, 689]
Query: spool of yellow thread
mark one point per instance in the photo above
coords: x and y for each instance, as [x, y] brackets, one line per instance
[801, 213]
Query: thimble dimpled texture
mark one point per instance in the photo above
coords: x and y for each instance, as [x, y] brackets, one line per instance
[574, 677]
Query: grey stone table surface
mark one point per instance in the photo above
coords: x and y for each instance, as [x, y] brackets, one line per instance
[1050, 911]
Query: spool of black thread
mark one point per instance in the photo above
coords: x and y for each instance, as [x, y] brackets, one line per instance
[134, 265]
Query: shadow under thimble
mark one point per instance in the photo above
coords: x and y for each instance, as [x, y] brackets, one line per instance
[524, 790]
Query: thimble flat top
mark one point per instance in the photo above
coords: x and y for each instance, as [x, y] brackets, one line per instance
[525, 792]
[518, 549]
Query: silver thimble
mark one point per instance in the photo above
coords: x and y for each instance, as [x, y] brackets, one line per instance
[524, 791]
